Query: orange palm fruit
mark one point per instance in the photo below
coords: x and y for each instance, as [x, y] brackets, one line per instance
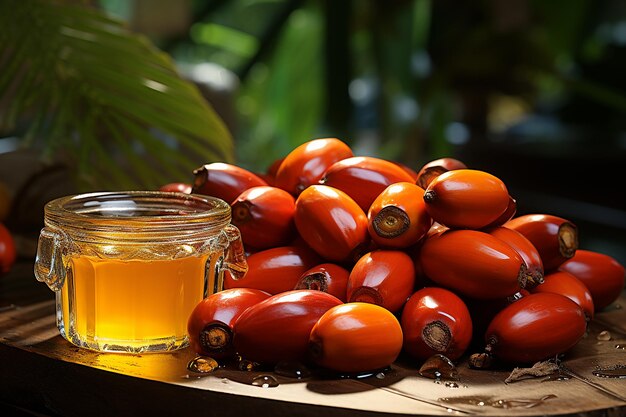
[278, 328]
[602, 274]
[326, 277]
[536, 327]
[264, 216]
[364, 177]
[435, 168]
[555, 238]
[435, 320]
[473, 263]
[564, 283]
[383, 277]
[525, 248]
[398, 217]
[331, 223]
[224, 181]
[275, 270]
[508, 214]
[466, 199]
[306, 164]
[355, 337]
[211, 321]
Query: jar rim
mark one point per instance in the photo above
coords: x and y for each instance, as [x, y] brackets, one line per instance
[137, 211]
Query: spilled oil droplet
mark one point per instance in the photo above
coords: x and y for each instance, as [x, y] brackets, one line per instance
[246, 365]
[452, 385]
[618, 371]
[498, 403]
[292, 369]
[620, 346]
[604, 335]
[265, 381]
[439, 367]
[359, 375]
[379, 374]
[557, 376]
[202, 364]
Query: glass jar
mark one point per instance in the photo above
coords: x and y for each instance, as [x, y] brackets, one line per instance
[129, 267]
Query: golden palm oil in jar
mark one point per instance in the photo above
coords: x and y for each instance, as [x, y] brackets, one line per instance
[129, 267]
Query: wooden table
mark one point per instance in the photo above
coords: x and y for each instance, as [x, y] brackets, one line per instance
[42, 374]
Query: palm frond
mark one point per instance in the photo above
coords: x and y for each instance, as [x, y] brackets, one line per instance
[80, 85]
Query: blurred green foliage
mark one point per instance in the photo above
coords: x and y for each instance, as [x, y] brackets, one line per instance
[80, 88]
[409, 80]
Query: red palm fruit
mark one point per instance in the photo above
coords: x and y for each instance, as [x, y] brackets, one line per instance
[278, 328]
[473, 263]
[466, 199]
[483, 311]
[264, 216]
[211, 321]
[398, 217]
[528, 252]
[564, 283]
[601, 274]
[433, 169]
[435, 320]
[275, 270]
[306, 164]
[327, 277]
[224, 181]
[408, 170]
[536, 327]
[270, 174]
[508, 214]
[356, 337]
[8, 254]
[364, 177]
[555, 238]
[421, 280]
[383, 277]
[176, 187]
[331, 223]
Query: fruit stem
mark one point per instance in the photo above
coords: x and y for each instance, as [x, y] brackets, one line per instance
[430, 196]
[241, 213]
[200, 178]
[366, 295]
[429, 175]
[568, 239]
[315, 281]
[480, 360]
[437, 336]
[522, 276]
[534, 278]
[215, 337]
[391, 221]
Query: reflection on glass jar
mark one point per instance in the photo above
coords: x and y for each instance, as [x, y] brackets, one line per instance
[129, 267]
